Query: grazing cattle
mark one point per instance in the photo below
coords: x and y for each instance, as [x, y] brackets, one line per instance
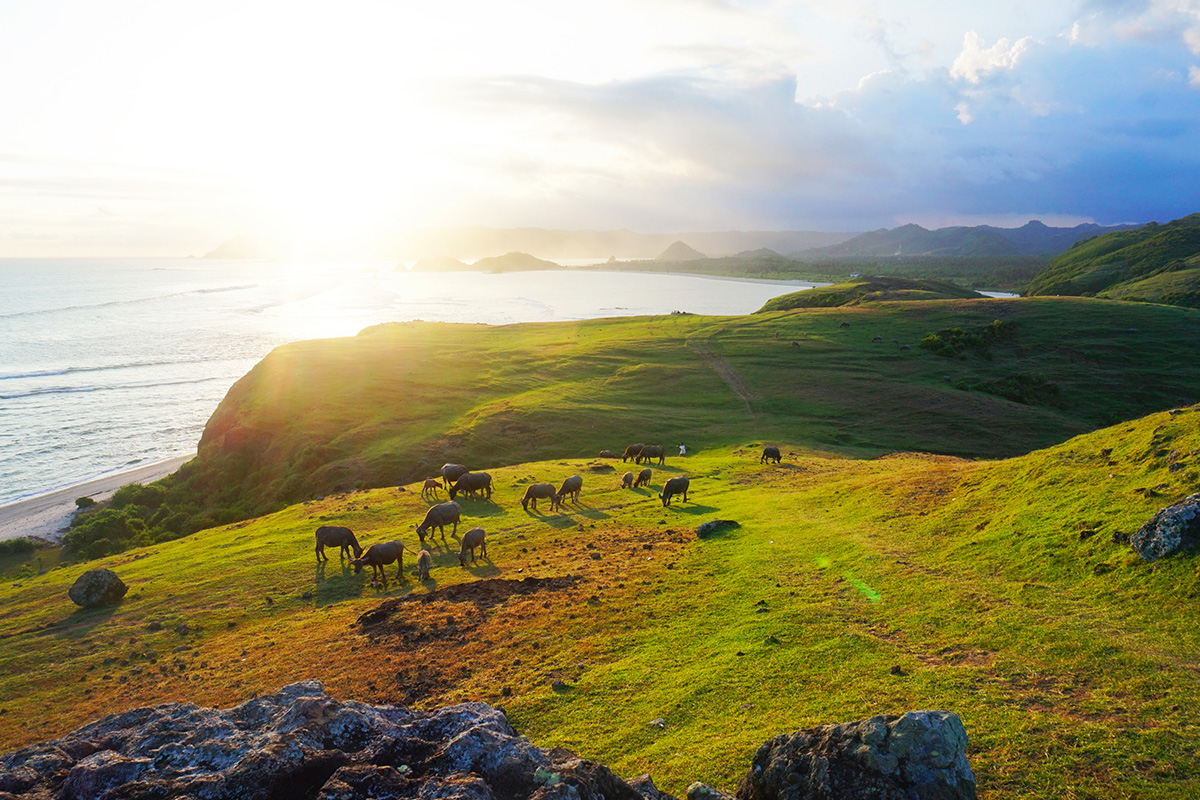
[877, 339]
[438, 517]
[627, 480]
[380, 555]
[472, 539]
[844, 325]
[632, 452]
[770, 454]
[673, 487]
[570, 487]
[471, 483]
[606, 454]
[906, 347]
[452, 472]
[652, 451]
[538, 491]
[424, 562]
[643, 478]
[430, 488]
[336, 536]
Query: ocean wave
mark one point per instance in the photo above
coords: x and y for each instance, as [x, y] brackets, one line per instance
[114, 387]
[50, 373]
[117, 303]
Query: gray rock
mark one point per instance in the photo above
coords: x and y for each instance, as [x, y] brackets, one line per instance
[97, 587]
[920, 755]
[715, 526]
[644, 785]
[702, 791]
[300, 742]
[1172, 529]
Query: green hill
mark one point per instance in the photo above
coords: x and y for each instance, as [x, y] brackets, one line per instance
[1154, 263]
[868, 290]
[851, 587]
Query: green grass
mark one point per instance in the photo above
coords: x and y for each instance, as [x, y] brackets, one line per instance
[973, 577]
[868, 290]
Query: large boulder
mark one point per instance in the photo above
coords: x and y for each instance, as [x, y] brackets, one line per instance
[1174, 528]
[97, 587]
[300, 742]
[920, 755]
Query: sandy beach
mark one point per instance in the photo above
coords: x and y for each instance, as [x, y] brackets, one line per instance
[48, 515]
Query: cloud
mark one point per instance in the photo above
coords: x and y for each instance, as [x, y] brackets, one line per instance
[975, 61]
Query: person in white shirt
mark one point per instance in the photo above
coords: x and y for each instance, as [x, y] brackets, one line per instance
[682, 449]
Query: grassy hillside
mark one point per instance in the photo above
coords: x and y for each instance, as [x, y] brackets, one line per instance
[868, 290]
[394, 403]
[852, 587]
[1154, 263]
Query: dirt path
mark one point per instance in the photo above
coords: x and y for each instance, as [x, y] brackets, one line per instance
[728, 374]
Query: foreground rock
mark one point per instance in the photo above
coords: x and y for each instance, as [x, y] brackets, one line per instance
[918, 756]
[1172, 529]
[97, 587]
[302, 743]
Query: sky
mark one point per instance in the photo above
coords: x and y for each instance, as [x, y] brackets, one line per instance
[163, 128]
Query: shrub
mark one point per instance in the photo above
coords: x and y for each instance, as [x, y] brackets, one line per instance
[84, 502]
[11, 547]
[952, 342]
[117, 528]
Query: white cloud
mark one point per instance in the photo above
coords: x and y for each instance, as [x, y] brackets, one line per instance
[964, 113]
[975, 60]
[1194, 76]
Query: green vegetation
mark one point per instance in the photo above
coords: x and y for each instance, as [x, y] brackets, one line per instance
[955, 342]
[1154, 263]
[868, 290]
[995, 587]
[394, 403]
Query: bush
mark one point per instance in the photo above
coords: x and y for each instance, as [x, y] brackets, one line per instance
[11, 547]
[952, 342]
[117, 528]
[84, 502]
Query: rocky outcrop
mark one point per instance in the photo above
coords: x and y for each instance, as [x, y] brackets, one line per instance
[97, 587]
[300, 743]
[1172, 529]
[715, 526]
[917, 756]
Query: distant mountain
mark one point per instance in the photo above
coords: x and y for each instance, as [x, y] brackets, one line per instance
[680, 251]
[1032, 239]
[470, 243]
[1154, 263]
[512, 262]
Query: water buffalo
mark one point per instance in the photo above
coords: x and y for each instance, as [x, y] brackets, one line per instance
[430, 488]
[336, 536]
[652, 451]
[538, 491]
[673, 487]
[770, 454]
[438, 517]
[632, 452]
[627, 480]
[472, 539]
[452, 472]
[606, 454]
[424, 562]
[378, 556]
[643, 478]
[471, 483]
[570, 487]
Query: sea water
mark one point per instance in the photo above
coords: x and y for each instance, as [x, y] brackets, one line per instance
[108, 364]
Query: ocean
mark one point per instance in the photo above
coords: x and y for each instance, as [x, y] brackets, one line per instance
[107, 364]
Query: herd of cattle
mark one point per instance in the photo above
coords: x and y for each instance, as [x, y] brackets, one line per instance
[459, 480]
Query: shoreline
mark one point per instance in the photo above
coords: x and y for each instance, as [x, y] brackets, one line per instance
[47, 516]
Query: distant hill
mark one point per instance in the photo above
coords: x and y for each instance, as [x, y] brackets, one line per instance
[680, 251]
[512, 262]
[1032, 239]
[438, 264]
[868, 290]
[1154, 263]
[247, 247]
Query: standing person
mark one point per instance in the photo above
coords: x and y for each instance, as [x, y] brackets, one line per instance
[682, 449]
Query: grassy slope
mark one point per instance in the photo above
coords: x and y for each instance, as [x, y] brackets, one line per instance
[395, 402]
[971, 576]
[1111, 262]
[868, 290]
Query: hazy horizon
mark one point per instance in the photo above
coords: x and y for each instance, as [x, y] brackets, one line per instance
[160, 130]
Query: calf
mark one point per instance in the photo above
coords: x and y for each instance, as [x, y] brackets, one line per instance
[424, 561]
[643, 478]
[431, 487]
[472, 539]
[627, 480]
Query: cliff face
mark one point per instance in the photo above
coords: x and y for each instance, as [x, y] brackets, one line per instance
[302, 743]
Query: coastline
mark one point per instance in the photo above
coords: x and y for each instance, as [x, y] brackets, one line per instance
[47, 516]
